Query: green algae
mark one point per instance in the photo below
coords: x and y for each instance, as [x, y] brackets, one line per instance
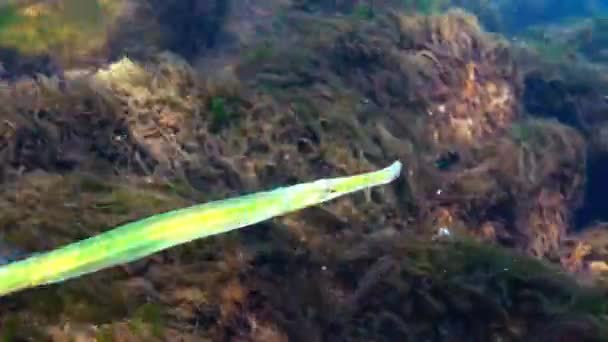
[9, 15]
[511, 272]
[425, 7]
[84, 14]
[551, 51]
[104, 334]
[363, 12]
[10, 328]
[67, 29]
[221, 114]
[149, 316]
[125, 201]
[82, 205]
[259, 53]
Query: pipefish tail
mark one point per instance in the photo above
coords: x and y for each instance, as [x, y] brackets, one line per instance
[141, 238]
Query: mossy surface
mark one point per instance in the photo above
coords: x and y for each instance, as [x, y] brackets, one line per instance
[67, 29]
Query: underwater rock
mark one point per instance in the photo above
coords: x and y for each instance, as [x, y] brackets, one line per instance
[444, 96]
[587, 253]
[52, 126]
[451, 88]
[156, 102]
[543, 165]
[414, 299]
[461, 80]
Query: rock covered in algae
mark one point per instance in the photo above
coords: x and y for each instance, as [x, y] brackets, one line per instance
[70, 31]
[236, 286]
[444, 96]
[563, 84]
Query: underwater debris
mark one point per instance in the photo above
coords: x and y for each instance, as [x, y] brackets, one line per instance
[442, 233]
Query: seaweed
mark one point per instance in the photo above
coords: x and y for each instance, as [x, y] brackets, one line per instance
[48, 29]
[425, 7]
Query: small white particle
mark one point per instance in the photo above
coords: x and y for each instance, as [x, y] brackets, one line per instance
[444, 231]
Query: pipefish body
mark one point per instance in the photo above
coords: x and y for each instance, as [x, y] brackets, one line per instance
[141, 238]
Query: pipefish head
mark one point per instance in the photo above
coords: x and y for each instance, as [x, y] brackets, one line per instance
[327, 189]
[345, 185]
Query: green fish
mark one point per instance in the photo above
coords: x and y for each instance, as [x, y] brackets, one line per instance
[136, 240]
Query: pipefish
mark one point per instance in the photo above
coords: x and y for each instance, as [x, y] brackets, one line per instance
[138, 239]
